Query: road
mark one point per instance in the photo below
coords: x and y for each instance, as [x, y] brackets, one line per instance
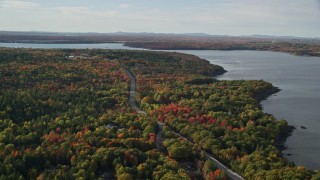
[132, 93]
[231, 174]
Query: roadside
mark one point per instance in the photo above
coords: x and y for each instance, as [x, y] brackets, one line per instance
[231, 174]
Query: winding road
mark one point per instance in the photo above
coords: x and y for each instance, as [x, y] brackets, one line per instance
[132, 93]
[231, 174]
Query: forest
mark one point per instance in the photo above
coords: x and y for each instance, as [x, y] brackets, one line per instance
[286, 46]
[69, 118]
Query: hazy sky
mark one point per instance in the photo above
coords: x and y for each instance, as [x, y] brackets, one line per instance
[221, 17]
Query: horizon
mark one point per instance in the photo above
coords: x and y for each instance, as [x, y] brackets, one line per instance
[223, 18]
[159, 33]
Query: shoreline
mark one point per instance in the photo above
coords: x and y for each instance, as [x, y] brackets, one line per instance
[127, 44]
[282, 137]
[280, 140]
[224, 49]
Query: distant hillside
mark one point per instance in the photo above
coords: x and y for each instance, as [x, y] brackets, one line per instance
[161, 41]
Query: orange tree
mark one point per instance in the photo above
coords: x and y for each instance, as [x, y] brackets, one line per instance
[69, 118]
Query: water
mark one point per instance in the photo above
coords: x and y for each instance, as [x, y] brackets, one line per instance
[298, 102]
[67, 46]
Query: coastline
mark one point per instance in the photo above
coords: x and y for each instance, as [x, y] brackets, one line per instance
[280, 140]
[159, 48]
[296, 53]
[282, 137]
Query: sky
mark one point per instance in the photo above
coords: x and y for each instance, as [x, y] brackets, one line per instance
[218, 17]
